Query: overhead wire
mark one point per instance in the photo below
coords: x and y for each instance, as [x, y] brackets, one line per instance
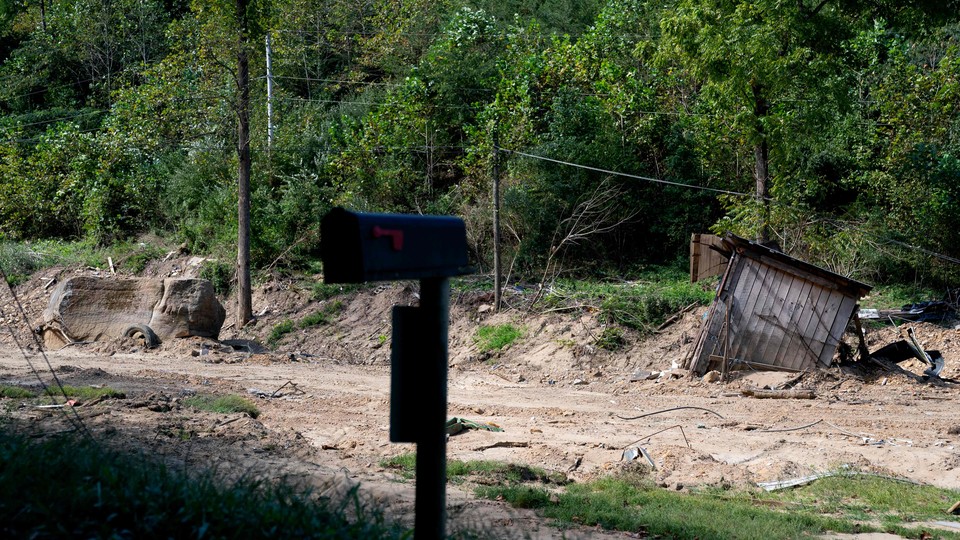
[628, 175]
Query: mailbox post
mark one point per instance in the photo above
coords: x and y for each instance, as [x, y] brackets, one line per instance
[359, 247]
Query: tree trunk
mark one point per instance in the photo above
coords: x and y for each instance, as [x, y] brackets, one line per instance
[244, 301]
[761, 155]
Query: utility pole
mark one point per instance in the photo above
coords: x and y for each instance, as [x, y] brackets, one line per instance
[497, 283]
[244, 294]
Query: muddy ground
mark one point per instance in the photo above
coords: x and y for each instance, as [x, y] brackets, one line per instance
[560, 399]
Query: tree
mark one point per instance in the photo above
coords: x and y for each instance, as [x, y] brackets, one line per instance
[754, 63]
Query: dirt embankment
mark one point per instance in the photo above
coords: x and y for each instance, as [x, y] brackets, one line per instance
[563, 402]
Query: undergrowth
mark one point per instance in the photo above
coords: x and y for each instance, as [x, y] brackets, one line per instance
[641, 304]
[496, 337]
[70, 487]
[630, 501]
[222, 404]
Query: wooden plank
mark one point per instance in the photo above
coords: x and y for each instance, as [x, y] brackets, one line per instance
[694, 257]
[705, 261]
[824, 318]
[749, 336]
[775, 331]
[794, 306]
[839, 326]
[699, 359]
[807, 353]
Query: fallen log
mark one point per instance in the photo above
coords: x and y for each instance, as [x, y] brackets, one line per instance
[764, 393]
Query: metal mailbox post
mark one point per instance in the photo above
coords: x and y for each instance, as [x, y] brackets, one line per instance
[360, 247]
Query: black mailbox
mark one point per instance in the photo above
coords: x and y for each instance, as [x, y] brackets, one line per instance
[359, 247]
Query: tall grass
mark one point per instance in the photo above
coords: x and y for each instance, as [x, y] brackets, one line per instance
[67, 487]
[642, 304]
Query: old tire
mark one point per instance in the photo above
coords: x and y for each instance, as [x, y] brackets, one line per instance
[142, 333]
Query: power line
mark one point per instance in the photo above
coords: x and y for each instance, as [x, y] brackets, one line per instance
[627, 175]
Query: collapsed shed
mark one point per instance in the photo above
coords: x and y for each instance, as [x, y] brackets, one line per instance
[773, 312]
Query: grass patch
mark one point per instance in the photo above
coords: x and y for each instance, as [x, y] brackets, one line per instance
[631, 502]
[323, 316]
[643, 304]
[92, 492]
[222, 404]
[15, 392]
[139, 256]
[278, 331]
[84, 392]
[866, 497]
[896, 296]
[482, 471]
[403, 464]
[19, 260]
[496, 337]
[320, 291]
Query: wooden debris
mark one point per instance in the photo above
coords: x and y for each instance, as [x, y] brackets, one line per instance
[763, 393]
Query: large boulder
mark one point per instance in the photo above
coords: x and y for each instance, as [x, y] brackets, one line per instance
[92, 309]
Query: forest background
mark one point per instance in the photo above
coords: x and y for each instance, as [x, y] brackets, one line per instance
[618, 127]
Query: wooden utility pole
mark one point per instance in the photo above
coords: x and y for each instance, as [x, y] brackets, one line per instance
[244, 295]
[497, 284]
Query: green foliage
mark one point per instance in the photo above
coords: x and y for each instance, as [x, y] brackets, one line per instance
[641, 305]
[15, 392]
[323, 316]
[645, 306]
[279, 330]
[896, 296]
[611, 339]
[496, 337]
[222, 404]
[118, 118]
[320, 291]
[114, 494]
[137, 261]
[404, 464]
[219, 274]
[84, 392]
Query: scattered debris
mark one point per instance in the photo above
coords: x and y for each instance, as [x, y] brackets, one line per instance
[646, 438]
[844, 471]
[908, 348]
[456, 425]
[955, 509]
[632, 453]
[711, 377]
[668, 410]
[503, 444]
[930, 311]
[763, 393]
[798, 428]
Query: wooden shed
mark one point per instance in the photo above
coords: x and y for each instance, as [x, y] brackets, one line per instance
[706, 259]
[774, 312]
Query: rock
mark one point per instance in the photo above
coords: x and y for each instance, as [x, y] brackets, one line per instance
[711, 376]
[644, 375]
[484, 308]
[92, 309]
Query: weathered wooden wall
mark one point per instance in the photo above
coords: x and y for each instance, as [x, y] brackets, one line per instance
[705, 261]
[780, 316]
